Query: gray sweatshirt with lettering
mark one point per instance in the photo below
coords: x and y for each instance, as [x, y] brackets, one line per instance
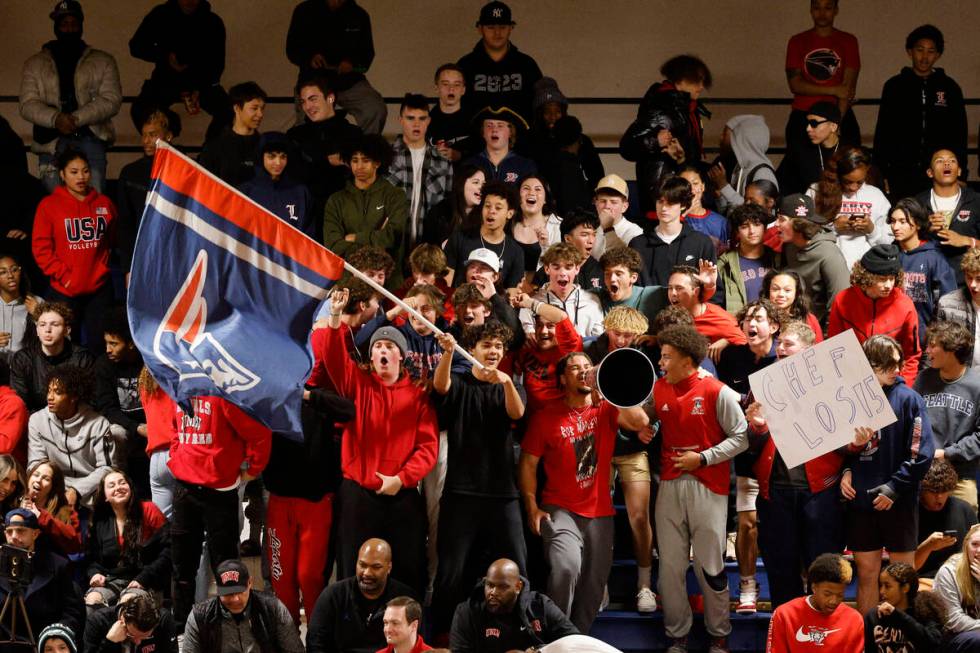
[955, 417]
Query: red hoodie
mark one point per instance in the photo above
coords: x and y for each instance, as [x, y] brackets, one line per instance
[212, 444]
[161, 419]
[394, 433]
[13, 424]
[71, 240]
[894, 316]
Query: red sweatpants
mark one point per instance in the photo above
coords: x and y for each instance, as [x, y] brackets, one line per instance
[298, 535]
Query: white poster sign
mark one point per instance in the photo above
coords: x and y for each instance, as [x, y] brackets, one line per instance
[813, 400]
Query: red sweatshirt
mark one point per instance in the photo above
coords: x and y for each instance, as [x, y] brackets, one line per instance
[13, 424]
[210, 446]
[538, 366]
[894, 316]
[71, 240]
[717, 323]
[798, 628]
[822, 472]
[394, 433]
[161, 420]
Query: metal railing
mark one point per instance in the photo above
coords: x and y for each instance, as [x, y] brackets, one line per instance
[587, 101]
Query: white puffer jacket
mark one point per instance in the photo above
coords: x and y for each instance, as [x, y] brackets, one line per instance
[97, 89]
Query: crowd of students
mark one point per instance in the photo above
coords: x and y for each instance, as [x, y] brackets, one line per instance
[429, 482]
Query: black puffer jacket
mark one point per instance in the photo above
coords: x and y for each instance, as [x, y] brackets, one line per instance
[663, 107]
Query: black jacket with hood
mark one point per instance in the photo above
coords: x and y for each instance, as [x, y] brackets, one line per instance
[534, 621]
[340, 35]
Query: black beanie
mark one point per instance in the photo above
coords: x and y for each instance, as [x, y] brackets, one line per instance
[882, 260]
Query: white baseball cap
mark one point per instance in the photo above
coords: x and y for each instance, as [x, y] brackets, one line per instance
[485, 256]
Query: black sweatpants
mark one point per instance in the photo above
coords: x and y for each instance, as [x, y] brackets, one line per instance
[196, 510]
[400, 520]
[473, 532]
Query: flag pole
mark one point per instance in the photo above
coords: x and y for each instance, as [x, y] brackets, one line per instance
[421, 318]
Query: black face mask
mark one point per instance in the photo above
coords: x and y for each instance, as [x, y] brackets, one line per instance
[68, 38]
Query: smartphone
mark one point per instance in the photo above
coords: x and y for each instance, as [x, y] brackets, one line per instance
[950, 534]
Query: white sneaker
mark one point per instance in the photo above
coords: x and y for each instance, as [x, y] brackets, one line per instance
[646, 601]
[748, 595]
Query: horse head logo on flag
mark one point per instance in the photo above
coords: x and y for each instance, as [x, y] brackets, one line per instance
[184, 330]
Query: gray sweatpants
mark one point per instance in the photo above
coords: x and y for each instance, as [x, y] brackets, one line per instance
[688, 515]
[579, 551]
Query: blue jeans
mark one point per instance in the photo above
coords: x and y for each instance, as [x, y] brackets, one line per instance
[93, 148]
[162, 482]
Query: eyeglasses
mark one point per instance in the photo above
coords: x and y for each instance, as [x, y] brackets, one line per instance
[815, 123]
[9, 271]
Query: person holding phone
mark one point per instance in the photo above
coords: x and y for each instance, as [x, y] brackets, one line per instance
[858, 209]
[943, 520]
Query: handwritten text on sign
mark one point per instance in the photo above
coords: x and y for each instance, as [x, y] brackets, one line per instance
[814, 399]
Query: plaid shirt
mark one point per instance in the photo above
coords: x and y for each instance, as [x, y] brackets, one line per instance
[437, 180]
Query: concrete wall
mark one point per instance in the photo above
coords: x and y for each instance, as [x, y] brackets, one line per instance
[593, 47]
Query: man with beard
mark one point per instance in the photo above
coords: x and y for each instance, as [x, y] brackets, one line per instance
[69, 93]
[504, 614]
[349, 615]
[574, 438]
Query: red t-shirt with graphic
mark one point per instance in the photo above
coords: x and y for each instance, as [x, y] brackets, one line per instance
[821, 60]
[576, 448]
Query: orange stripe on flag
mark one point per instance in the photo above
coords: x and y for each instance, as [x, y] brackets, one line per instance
[188, 178]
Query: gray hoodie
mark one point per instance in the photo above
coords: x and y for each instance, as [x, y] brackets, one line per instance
[81, 445]
[821, 266]
[959, 618]
[750, 140]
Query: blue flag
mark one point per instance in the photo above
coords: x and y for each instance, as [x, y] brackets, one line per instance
[223, 293]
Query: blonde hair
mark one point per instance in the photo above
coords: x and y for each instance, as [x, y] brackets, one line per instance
[964, 577]
[627, 320]
[801, 330]
[970, 263]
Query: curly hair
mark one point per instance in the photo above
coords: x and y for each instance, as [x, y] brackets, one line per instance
[671, 316]
[626, 320]
[941, 477]
[562, 253]
[371, 257]
[72, 380]
[359, 292]
[371, 146]
[115, 322]
[829, 568]
[970, 264]
[686, 340]
[746, 213]
[491, 329]
[773, 313]
[952, 337]
[626, 257]
[54, 307]
[863, 279]
[473, 221]
[799, 309]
